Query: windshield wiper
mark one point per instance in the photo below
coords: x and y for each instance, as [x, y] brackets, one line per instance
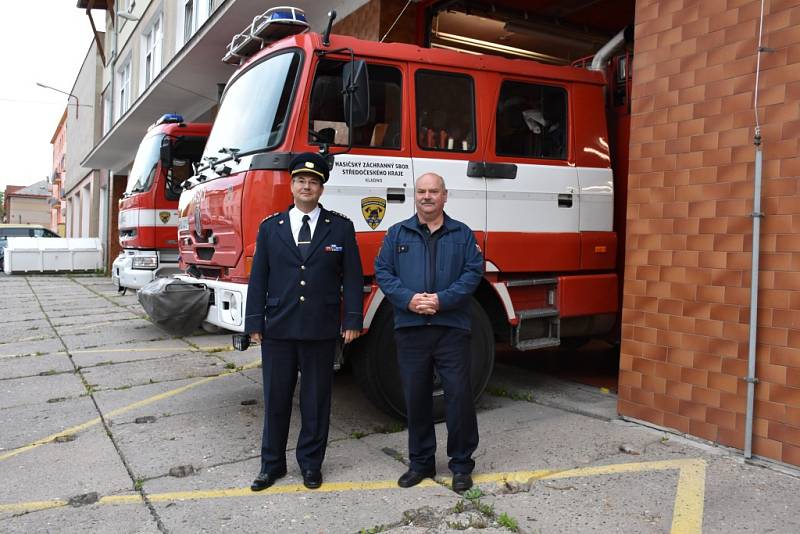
[232, 152]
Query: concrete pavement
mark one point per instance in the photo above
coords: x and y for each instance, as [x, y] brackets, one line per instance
[108, 424]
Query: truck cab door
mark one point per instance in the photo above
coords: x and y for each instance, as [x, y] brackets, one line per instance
[533, 199]
[372, 184]
[445, 138]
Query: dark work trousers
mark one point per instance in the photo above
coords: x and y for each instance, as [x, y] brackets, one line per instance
[419, 350]
[280, 360]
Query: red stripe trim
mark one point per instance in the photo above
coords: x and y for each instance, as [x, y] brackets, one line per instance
[529, 252]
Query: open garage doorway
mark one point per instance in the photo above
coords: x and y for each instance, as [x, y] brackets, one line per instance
[549, 31]
[563, 32]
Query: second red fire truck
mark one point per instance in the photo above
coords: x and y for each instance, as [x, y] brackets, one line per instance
[148, 210]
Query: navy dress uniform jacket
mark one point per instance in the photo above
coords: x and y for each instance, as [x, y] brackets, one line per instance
[289, 297]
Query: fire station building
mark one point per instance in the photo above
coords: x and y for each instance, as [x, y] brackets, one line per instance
[708, 348]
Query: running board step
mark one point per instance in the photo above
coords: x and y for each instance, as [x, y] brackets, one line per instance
[537, 313]
[537, 328]
[542, 342]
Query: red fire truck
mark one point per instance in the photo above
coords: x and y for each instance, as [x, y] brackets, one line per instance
[148, 210]
[524, 148]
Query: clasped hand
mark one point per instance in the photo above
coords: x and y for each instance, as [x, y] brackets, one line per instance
[348, 335]
[424, 303]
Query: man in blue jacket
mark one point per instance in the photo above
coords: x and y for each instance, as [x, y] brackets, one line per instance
[428, 268]
[303, 256]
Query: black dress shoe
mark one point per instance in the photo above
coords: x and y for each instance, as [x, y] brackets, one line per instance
[412, 478]
[265, 480]
[312, 479]
[461, 482]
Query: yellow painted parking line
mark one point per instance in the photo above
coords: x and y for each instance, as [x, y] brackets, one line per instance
[185, 348]
[327, 487]
[687, 515]
[198, 495]
[72, 327]
[25, 507]
[155, 398]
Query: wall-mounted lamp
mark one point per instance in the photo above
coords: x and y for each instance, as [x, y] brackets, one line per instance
[125, 16]
[77, 102]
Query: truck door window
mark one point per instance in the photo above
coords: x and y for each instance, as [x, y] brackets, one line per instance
[445, 111]
[186, 150]
[145, 164]
[531, 121]
[326, 116]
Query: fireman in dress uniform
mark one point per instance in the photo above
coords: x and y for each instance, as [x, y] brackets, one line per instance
[303, 257]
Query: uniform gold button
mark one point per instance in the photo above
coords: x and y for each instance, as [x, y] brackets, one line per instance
[302, 299]
[302, 282]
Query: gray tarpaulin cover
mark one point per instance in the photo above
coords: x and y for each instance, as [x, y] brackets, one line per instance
[174, 305]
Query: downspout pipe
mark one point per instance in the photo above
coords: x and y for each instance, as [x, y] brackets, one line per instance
[601, 56]
[751, 353]
[757, 215]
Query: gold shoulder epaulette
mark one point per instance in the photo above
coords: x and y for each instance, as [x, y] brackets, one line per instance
[268, 217]
[340, 215]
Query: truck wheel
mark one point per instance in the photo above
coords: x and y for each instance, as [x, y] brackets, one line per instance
[209, 328]
[377, 372]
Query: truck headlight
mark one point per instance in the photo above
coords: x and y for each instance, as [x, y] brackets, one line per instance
[145, 262]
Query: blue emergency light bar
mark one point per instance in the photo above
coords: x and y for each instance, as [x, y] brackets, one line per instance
[169, 118]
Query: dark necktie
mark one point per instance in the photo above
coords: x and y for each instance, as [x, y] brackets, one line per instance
[304, 237]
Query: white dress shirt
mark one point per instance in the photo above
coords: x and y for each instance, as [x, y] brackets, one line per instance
[296, 220]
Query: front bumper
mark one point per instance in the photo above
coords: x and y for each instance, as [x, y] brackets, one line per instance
[227, 302]
[124, 275]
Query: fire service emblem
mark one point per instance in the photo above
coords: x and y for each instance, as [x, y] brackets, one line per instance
[164, 216]
[373, 209]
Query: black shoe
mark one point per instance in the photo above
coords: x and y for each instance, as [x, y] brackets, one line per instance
[461, 482]
[412, 478]
[265, 480]
[312, 479]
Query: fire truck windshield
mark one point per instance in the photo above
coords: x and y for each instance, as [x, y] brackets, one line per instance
[145, 165]
[252, 116]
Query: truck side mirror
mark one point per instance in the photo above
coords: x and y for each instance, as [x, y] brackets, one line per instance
[166, 152]
[355, 88]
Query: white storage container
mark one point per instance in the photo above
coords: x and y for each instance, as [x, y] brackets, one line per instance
[50, 254]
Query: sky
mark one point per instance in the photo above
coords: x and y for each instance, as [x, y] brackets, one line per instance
[44, 41]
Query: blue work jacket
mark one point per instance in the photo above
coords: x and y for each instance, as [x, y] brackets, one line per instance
[402, 270]
[290, 297]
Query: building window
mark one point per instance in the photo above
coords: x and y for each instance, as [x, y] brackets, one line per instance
[189, 20]
[195, 13]
[151, 52]
[124, 84]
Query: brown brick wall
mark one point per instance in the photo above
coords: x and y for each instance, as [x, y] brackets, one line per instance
[689, 235]
[362, 23]
[373, 20]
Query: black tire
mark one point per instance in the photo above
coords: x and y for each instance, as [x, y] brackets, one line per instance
[376, 369]
[574, 343]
